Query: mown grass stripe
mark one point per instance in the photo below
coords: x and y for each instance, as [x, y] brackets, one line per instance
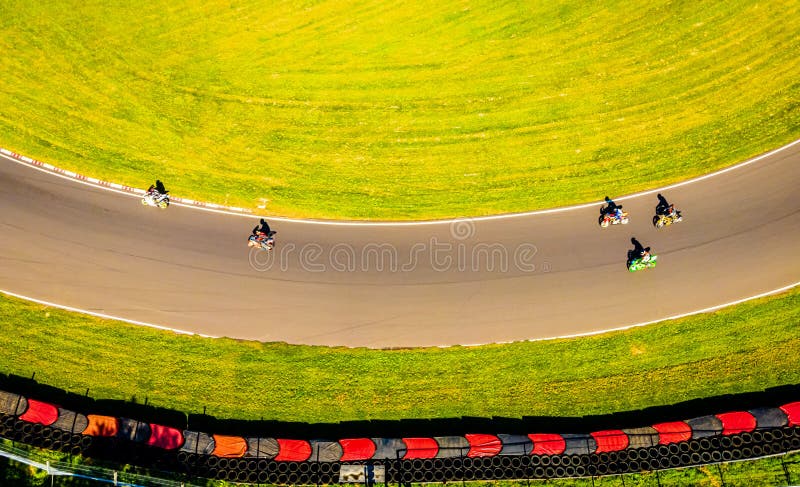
[745, 348]
[380, 111]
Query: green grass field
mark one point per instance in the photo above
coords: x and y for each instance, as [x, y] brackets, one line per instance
[370, 109]
[745, 348]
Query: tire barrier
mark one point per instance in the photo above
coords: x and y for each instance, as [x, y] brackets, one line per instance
[723, 437]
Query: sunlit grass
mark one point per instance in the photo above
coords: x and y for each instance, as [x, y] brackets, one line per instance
[398, 110]
[741, 349]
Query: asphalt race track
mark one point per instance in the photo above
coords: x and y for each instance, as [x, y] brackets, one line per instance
[468, 282]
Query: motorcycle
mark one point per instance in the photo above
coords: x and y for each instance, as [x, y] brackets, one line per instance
[640, 263]
[154, 198]
[262, 241]
[607, 219]
[661, 221]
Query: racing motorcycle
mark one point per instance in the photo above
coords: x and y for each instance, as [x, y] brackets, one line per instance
[607, 219]
[154, 198]
[262, 241]
[640, 263]
[661, 221]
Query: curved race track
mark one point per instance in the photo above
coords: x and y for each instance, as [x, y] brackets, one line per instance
[76, 245]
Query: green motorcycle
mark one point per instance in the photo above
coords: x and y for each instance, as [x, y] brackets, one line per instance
[642, 263]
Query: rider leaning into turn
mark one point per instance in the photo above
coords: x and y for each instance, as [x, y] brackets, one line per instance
[613, 209]
[663, 208]
[262, 228]
[158, 187]
[640, 251]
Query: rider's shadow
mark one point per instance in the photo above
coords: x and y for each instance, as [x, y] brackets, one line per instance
[603, 212]
[631, 256]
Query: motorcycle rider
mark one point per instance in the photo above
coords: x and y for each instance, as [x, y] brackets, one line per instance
[157, 188]
[663, 208]
[612, 209]
[639, 251]
[262, 230]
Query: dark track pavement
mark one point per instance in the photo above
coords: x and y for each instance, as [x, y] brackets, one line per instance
[75, 245]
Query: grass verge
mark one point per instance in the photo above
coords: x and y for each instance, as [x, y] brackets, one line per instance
[744, 348]
[369, 109]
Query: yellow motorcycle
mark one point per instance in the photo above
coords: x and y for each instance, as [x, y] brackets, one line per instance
[661, 221]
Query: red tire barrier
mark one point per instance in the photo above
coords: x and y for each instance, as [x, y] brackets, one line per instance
[610, 440]
[547, 444]
[354, 449]
[420, 448]
[165, 437]
[736, 422]
[483, 445]
[40, 413]
[792, 411]
[293, 451]
[673, 432]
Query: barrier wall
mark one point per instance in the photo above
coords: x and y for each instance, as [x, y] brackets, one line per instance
[727, 436]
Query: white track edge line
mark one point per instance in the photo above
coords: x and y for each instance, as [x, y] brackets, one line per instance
[134, 193]
[576, 335]
[651, 322]
[424, 222]
[103, 315]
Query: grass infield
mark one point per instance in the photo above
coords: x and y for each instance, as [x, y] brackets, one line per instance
[378, 110]
[745, 348]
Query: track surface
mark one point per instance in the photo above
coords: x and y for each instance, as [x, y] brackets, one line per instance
[72, 244]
